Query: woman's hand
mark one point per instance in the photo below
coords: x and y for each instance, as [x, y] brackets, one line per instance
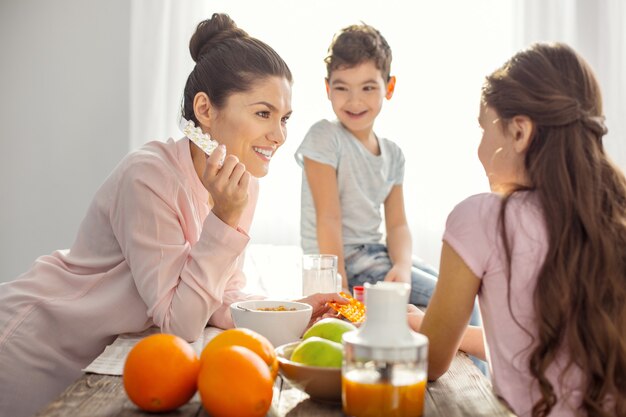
[415, 317]
[320, 307]
[228, 185]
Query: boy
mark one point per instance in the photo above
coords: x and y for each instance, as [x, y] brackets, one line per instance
[349, 172]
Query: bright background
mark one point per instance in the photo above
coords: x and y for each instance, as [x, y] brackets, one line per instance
[84, 81]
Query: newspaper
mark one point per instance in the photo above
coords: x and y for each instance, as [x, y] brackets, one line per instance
[111, 361]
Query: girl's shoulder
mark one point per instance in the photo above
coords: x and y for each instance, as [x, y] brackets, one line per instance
[476, 208]
[483, 211]
[487, 203]
[481, 200]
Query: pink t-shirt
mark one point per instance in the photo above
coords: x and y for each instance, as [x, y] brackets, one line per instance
[149, 252]
[472, 230]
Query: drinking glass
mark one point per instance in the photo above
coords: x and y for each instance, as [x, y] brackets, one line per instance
[319, 274]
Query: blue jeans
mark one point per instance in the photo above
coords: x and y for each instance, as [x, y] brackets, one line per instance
[371, 262]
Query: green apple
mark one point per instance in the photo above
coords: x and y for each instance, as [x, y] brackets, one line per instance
[316, 351]
[329, 328]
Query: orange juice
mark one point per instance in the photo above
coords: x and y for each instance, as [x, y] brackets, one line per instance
[364, 399]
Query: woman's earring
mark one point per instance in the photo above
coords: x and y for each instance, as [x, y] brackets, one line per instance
[197, 136]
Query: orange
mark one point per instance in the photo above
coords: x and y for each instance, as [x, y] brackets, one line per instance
[246, 338]
[161, 372]
[234, 381]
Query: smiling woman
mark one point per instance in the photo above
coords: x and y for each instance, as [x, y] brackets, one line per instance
[242, 98]
[162, 243]
[252, 124]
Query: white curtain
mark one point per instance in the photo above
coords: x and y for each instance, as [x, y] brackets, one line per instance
[441, 52]
[159, 63]
[597, 30]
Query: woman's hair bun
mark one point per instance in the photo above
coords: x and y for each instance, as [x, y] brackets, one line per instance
[212, 31]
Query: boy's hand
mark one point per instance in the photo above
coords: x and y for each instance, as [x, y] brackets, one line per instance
[228, 185]
[398, 274]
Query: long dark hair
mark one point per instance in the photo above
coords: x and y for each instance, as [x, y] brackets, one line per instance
[228, 61]
[580, 297]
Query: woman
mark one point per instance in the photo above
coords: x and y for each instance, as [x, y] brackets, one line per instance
[162, 243]
[545, 252]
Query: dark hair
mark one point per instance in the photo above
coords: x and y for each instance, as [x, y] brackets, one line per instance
[356, 44]
[228, 61]
[580, 297]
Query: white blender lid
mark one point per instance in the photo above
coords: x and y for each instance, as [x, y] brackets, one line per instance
[386, 333]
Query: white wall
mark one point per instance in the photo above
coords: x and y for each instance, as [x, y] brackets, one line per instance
[597, 30]
[63, 118]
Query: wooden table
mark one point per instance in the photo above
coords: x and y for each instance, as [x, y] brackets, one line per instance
[462, 391]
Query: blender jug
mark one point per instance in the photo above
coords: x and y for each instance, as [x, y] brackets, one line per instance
[385, 364]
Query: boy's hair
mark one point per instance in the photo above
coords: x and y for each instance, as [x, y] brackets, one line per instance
[356, 44]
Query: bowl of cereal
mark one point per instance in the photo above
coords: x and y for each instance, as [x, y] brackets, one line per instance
[279, 321]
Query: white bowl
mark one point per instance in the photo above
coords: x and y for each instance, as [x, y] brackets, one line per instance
[279, 327]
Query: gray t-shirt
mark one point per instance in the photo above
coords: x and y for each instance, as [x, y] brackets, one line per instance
[364, 180]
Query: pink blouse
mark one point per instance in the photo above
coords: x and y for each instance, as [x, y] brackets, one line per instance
[149, 252]
[472, 230]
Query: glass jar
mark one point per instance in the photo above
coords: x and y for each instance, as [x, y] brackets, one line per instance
[385, 363]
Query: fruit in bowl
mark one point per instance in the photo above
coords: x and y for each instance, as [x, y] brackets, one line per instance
[314, 364]
[315, 351]
[321, 383]
[278, 320]
[329, 328]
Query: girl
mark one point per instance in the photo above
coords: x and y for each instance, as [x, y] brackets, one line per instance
[545, 252]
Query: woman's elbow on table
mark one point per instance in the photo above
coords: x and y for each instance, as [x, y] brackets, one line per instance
[190, 333]
[187, 323]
